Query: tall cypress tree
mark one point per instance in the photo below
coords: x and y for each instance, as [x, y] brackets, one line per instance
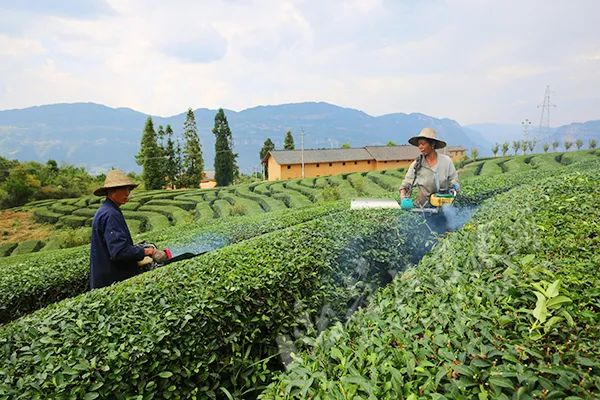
[193, 164]
[178, 164]
[267, 147]
[288, 142]
[225, 166]
[171, 168]
[150, 158]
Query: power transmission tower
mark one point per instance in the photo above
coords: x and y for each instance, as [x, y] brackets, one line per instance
[544, 129]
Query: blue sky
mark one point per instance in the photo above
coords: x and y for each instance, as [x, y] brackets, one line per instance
[470, 60]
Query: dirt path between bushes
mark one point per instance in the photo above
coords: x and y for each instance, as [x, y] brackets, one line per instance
[17, 226]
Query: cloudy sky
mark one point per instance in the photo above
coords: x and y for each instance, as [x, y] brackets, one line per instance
[470, 60]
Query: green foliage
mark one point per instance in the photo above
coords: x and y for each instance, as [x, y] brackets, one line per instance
[192, 163]
[151, 158]
[474, 153]
[28, 246]
[22, 183]
[495, 149]
[486, 315]
[268, 146]
[39, 279]
[173, 162]
[568, 144]
[237, 209]
[143, 333]
[225, 165]
[288, 141]
[331, 193]
[516, 146]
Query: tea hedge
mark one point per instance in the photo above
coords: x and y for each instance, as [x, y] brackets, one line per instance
[506, 308]
[30, 282]
[204, 328]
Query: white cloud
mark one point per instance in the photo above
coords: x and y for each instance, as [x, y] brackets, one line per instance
[474, 61]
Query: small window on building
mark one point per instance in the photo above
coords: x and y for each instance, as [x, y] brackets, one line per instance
[368, 161]
[355, 162]
[330, 164]
[385, 162]
[344, 163]
[317, 165]
[289, 166]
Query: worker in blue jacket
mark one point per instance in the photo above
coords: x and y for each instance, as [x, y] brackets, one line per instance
[113, 256]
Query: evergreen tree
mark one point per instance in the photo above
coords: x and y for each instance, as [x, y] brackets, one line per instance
[150, 158]
[225, 165]
[171, 166]
[178, 164]
[268, 146]
[288, 142]
[193, 164]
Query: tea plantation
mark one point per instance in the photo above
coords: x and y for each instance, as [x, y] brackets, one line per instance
[300, 297]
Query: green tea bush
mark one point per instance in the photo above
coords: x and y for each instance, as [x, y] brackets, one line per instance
[7, 248]
[30, 282]
[505, 308]
[186, 205]
[28, 246]
[175, 214]
[44, 215]
[311, 193]
[389, 182]
[204, 328]
[72, 221]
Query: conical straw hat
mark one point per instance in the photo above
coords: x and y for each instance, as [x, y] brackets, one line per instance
[427, 133]
[114, 179]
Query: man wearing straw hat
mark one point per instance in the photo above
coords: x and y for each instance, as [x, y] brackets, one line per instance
[431, 172]
[113, 256]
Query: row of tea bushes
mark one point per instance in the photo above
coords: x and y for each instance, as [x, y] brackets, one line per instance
[506, 308]
[203, 328]
[29, 282]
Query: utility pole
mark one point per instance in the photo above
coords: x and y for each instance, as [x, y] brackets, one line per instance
[525, 124]
[302, 151]
[545, 111]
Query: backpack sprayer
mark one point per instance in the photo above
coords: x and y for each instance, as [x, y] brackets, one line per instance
[437, 200]
[157, 259]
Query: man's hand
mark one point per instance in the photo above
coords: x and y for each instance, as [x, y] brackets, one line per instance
[406, 203]
[149, 251]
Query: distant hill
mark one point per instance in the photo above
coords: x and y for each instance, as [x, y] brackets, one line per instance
[100, 137]
[499, 133]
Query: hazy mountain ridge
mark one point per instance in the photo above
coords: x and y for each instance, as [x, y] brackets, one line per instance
[100, 137]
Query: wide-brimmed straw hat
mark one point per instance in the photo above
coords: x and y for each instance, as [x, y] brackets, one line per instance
[114, 179]
[427, 133]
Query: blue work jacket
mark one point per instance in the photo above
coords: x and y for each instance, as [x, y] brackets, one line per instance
[113, 257]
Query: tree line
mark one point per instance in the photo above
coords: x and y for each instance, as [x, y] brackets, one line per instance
[166, 163]
[21, 183]
[525, 145]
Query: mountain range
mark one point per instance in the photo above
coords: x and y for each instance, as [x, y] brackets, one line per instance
[100, 137]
